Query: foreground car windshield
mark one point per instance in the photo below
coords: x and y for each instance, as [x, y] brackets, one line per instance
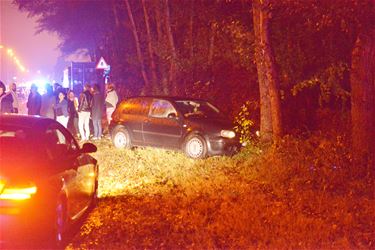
[198, 108]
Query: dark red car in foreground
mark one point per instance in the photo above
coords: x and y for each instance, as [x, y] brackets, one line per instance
[46, 180]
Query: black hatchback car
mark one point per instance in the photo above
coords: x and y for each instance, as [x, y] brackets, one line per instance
[196, 126]
[47, 181]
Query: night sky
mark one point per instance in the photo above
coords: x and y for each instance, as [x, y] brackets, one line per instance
[35, 51]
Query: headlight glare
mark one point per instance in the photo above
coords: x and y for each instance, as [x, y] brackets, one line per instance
[227, 133]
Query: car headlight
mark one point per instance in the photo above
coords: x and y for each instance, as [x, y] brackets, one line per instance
[227, 133]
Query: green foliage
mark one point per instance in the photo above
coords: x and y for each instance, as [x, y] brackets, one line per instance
[329, 81]
[245, 122]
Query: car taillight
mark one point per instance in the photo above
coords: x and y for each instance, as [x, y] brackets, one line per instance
[16, 192]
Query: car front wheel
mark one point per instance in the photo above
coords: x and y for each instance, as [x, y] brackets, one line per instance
[195, 147]
[121, 138]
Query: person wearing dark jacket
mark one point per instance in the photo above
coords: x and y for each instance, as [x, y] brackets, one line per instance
[73, 114]
[61, 110]
[84, 110]
[34, 101]
[97, 112]
[6, 100]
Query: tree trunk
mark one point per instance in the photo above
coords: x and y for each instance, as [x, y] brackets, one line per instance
[150, 49]
[138, 46]
[173, 66]
[271, 73]
[265, 104]
[191, 30]
[363, 99]
[160, 41]
[191, 42]
[211, 50]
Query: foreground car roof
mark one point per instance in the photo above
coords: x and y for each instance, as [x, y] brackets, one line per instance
[23, 120]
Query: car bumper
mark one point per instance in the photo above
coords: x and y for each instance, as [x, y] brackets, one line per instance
[222, 146]
[21, 223]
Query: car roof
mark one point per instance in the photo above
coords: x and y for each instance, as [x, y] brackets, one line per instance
[169, 98]
[25, 121]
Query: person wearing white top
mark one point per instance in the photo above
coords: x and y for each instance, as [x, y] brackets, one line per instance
[111, 101]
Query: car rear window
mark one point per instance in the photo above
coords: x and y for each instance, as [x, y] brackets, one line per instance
[17, 142]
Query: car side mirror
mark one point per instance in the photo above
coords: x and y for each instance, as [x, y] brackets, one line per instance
[172, 116]
[88, 148]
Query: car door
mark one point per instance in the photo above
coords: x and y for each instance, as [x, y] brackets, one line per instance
[133, 114]
[162, 127]
[65, 156]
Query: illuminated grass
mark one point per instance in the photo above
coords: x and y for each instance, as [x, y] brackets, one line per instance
[155, 198]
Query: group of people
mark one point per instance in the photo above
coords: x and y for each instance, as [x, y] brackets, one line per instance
[72, 112]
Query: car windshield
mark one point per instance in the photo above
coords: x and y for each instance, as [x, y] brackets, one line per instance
[198, 108]
[17, 143]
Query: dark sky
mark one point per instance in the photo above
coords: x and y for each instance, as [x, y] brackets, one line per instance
[17, 31]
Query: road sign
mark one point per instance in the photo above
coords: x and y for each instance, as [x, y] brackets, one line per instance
[102, 64]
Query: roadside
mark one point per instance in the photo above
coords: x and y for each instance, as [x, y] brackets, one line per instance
[153, 198]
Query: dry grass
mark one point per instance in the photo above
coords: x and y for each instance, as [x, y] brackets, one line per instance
[302, 195]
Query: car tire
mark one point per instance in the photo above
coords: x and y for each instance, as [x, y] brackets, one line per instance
[121, 138]
[195, 147]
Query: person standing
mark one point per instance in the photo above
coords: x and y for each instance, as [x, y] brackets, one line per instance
[73, 114]
[6, 100]
[34, 101]
[110, 101]
[97, 112]
[48, 103]
[84, 109]
[13, 92]
[61, 110]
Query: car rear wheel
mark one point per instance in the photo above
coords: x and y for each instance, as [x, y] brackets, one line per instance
[195, 147]
[121, 138]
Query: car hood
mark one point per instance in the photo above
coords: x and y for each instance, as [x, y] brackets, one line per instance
[210, 123]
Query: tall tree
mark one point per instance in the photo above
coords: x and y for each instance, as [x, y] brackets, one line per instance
[173, 65]
[363, 97]
[138, 46]
[150, 49]
[270, 106]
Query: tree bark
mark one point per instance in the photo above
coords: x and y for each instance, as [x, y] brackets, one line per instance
[173, 66]
[138, 46]
[363, 99]
[160, 41]
[271, 72]
[154, 86]
[265, 104]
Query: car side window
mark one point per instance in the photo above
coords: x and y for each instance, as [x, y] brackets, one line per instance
[135, 107]
[161, 109]
[58, 144]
